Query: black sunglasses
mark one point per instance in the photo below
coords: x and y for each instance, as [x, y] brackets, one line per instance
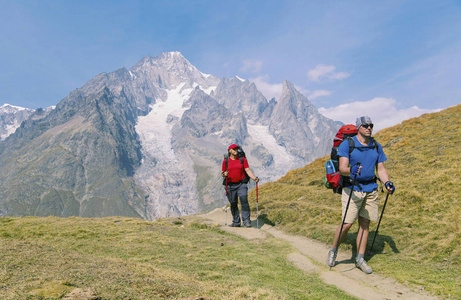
[368, 125]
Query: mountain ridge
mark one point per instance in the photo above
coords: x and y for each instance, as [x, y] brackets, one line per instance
[159, 129]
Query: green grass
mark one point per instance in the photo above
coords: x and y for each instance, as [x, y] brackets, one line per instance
[420, 234]
[118, 258]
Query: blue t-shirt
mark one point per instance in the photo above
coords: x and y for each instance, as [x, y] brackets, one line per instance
[368, 158]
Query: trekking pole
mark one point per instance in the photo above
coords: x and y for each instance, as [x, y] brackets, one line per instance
[257, 208]
[345, 213]
[377, 228]
[227, 199]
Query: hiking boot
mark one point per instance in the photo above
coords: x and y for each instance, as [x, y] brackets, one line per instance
[235, 225]
[331, 258]
[362, 265]
[247, 224]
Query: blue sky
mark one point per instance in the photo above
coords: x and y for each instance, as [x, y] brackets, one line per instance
[389, 59]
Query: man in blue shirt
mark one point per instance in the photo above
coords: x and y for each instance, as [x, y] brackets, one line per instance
[360, 163]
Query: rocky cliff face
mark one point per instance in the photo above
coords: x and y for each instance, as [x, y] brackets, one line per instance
[149, 142]
[76, 161]
[295, 121]
[11, 118]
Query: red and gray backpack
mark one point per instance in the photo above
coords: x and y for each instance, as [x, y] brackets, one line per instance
[333, 178]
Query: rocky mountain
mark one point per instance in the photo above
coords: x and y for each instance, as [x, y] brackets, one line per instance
[149, 142]
[11, 118]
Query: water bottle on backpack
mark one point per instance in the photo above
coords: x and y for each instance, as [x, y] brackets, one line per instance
[330, 168]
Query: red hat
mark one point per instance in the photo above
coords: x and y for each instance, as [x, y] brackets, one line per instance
[233, 146]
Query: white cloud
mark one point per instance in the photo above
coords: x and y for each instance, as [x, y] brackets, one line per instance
[267, 89]
[382, 111]
[253, 66]
[328, 72]
[318, 93]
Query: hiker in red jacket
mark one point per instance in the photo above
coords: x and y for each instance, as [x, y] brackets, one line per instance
[236, 171]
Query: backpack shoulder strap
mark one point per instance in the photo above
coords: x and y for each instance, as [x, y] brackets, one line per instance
[351, 145]
[375, 143]
[243, 165]
[227, 162]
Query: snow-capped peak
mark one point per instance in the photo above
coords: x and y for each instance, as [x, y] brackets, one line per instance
[11, 118]
[7, 106]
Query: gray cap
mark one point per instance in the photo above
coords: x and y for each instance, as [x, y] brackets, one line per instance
[362, 120]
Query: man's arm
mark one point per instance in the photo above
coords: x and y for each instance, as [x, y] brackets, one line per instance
[382, 172]
[344, 166]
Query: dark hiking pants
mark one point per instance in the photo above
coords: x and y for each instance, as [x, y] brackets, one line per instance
[237, 191]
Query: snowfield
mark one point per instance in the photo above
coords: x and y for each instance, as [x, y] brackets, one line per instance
[160, 167]
[282, 159]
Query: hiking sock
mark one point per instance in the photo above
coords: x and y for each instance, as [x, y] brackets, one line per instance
[359, 256]
[333, 249]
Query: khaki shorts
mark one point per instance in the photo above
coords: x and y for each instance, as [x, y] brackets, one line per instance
[362, 204]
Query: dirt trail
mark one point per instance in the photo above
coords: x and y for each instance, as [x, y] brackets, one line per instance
[312, 258]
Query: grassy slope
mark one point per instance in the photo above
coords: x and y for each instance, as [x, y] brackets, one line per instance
[420, 235]
[44, 258]
[122, 258]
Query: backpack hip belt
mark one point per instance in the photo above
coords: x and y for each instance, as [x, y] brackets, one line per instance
[367, 181]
